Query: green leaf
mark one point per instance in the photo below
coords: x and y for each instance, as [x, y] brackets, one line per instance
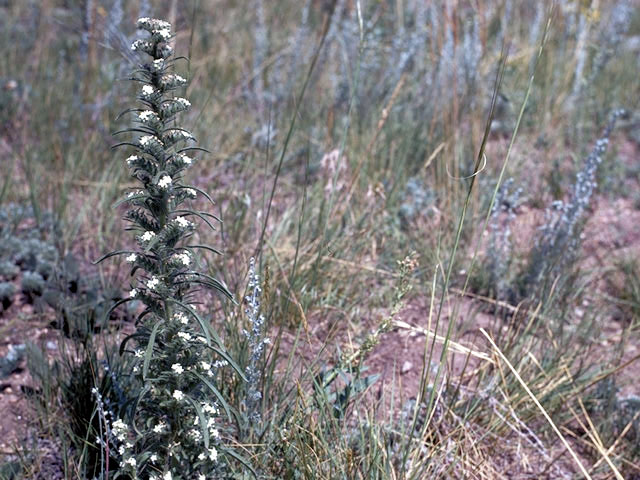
[124, 342]
[205, 247]
[199, 149]
[213, 283]
[240, 458]
[218, 395]
[203, 325]
[111, 254]
[134, 129]
[121, 144]
[105, 318]
[128, 110]
[203, 422]
[149, 351]
[199, 190]
[233, 364]
[199, 214]
[143, 392]
[128, 199]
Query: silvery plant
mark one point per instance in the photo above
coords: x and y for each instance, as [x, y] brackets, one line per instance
[499, 251]
[176, 426]
[557, 244]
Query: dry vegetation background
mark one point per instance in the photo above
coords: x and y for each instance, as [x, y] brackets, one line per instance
[355, 153]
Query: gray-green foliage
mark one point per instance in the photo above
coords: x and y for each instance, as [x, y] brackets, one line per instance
[618, 413]
[28, 255]
[499, 250]
[32, 262]
[177, 428]
[557, 244]
[10, 362]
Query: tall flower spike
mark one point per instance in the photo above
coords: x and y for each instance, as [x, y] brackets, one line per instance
[172, 341]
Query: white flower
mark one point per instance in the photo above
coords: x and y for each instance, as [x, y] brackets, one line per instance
[134, 193]
[138, 353]
[213, 454]
[148, 91]
[153, 458]
[152, 24]
[136, 369]
[131, 258]
[181, 317]
[119, 425]
[164, 33]
[183, 102]
[184, 336]
[133, 293]
[208, 408]
[121, 450]
[172, 80]
[148, 139]
[178, 395]
[140, 45]
[183, 134]
[176, 367]
[153, 283]
[164, 182]
[131, 159]
[158, 64]
[131, 462]
[167, 476]
[160, 426]
[202, 477]
[205, 366]
[211, 424]
[183, 222]
[147, 236]
[183, 258]
[191, 192]
[185, 159]
[120, 430]
[148, 116]
[202, 456]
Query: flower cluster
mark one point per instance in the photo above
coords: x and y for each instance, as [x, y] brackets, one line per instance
[175, 355]
[257, 342]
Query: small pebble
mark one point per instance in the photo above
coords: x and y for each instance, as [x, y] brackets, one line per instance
[406, 366]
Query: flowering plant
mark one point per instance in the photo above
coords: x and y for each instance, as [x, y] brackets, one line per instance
[174, 427]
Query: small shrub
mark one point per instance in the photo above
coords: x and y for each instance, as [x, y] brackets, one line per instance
[557, 245]
[499, 253]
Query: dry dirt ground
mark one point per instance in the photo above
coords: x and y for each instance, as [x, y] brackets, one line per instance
[612, 233]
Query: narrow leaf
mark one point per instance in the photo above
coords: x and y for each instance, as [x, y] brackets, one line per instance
[203, 422]
[218, 395]
[149, 352]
